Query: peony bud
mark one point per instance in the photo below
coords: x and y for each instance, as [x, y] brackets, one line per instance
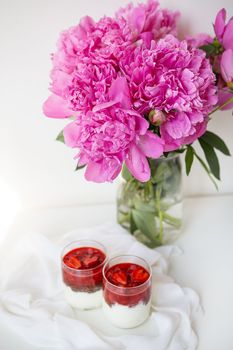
[226, 66]
[156, 117]
[223, 31]
[219, 25]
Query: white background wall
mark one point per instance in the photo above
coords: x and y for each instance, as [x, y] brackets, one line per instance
[35, 167]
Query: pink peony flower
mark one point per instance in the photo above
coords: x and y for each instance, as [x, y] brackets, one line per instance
[84, 66]
[147, 22]
[176, 80]
[223, 31]
[112, 133]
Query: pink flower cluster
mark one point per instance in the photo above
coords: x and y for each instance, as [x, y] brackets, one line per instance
[179, 81]
[111, 133]
[118, 78]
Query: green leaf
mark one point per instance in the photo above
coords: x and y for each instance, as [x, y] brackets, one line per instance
[189, 159]
[79, 167]
[206, 169]
[60, 137]
[126, 174]
[211, 158]
[145, 222]
[216, 142]
[144, 206]
[161, 172]
[144, 239]
[209, 49]
[133, 226]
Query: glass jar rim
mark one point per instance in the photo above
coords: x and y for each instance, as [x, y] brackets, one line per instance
[86, 271]
[123, 289]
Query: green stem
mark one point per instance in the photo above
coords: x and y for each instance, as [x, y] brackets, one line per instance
[160, 226]
[160, 212]
[205, 167]
[171, 220]
[221, 106]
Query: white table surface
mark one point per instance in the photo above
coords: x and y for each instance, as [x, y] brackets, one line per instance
[206, 264]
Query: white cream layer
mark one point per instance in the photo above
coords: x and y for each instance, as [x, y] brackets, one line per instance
[83, 300]
[123, 316]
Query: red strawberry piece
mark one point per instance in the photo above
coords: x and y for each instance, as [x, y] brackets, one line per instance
[120, 278]
[73, 262]
[89, 261]
[140, 275]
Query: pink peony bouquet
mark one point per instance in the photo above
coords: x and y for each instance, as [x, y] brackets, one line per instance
[133, 90]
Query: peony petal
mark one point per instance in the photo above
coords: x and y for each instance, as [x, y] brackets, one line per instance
[119, 92]
[172, 145]
[60, 81]
[82, 158]
[102, 106]
[142, 124]
[71, 134]
[137, 19]
[56, 107]
[227, 65]
[199, 40]
[137, 164]
[146, 38]
[151, 145]
[200, 129]
[196, 117]
[227, 40]
[94, 172]
[104, 170]
[169, 143]
[223, 96]
[87, 23]
[179, 126]
[219, 24]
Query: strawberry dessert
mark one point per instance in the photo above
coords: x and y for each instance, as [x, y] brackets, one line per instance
[127, 291]
[82, 264]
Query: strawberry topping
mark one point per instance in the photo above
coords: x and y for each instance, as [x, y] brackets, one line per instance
[120, 278]
[83, 259]
[127, 275]
[140, 275]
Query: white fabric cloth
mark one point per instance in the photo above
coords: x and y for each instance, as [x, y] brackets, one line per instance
[32, 303]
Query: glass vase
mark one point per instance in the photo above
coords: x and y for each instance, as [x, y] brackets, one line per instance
[152, 211]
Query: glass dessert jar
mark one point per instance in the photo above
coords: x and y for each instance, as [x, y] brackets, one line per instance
[127, 283]
[82, 265]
